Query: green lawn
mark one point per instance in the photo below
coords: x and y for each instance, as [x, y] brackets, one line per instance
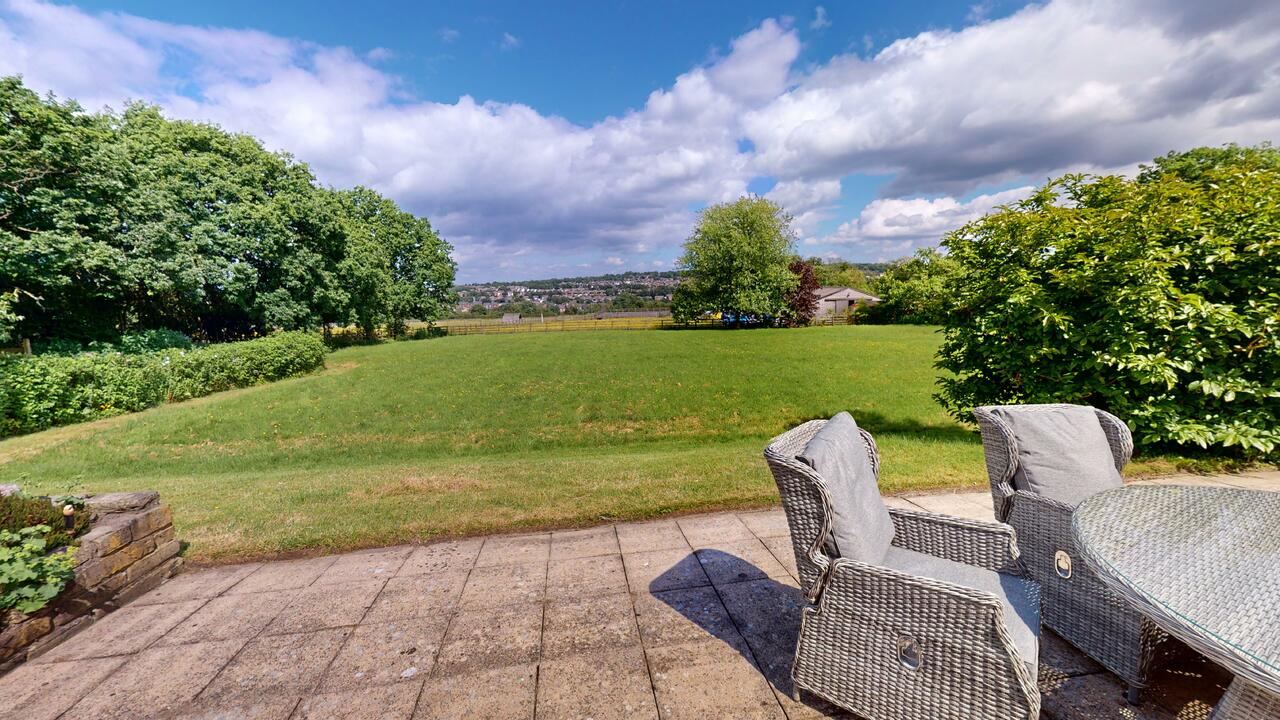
[414, 440]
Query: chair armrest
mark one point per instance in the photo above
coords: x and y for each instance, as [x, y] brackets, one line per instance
[989, 545]
[865, 611]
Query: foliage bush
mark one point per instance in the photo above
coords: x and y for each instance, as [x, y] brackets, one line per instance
[912, 291]
[49, 390]
[1157, 298]
[30, 575]
[20, 511]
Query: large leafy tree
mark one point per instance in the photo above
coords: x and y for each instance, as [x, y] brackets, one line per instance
[62, 180]
[1156, 298]
[111, 223]
[396, 268]
[737, 261]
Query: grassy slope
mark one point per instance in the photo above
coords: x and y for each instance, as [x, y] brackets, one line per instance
[415, 440]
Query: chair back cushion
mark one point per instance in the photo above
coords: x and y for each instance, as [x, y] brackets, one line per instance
[1063, 451]
[861, 528]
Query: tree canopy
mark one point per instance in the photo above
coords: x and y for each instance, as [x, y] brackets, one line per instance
[737, 261]
[913, 290]
[1157, 298]
[118, 222]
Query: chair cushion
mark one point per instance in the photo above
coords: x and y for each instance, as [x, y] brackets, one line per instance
[1019, 596]
[1063, 452]
[861, 528]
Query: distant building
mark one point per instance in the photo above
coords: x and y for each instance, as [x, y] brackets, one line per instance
[511, 318]
[838, 300]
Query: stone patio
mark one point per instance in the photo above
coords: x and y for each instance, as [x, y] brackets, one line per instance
[691, 617]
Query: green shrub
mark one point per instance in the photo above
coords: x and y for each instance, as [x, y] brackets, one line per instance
[912, 291]
[21, 511]
[49, 390]
[232, 365]
[153, 340]
[30, 575]
[1156, 298]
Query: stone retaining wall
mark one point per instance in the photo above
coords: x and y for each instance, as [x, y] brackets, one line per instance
[130, 549]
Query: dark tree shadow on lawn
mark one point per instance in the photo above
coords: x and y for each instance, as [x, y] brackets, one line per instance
[880, 426]
[757, 616]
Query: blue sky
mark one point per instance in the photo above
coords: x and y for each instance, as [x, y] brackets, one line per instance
[556, 139]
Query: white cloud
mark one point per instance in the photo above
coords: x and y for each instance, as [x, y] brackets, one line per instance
[892, 227]
[509, 41]
[448, 34]
[1073, 83]
[1066, 85]
[613, 260]
[820, 19]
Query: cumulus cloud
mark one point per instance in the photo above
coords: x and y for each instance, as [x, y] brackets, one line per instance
[891, 227]
[614, 260]
[1071, 84]
[820, 19]
[1066, 85]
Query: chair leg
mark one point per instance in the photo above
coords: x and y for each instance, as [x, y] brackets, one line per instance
[1133, 695]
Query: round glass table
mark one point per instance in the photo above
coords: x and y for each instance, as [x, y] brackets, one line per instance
[1204, 564]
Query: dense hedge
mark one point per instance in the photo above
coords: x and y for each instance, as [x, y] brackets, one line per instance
[1157, 298]
[48, 390]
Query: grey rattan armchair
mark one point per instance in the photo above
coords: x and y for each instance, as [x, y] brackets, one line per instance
[888, 644]
[1077, 605]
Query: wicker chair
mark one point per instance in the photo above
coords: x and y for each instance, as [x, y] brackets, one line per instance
[886, 644]
[1077, 605]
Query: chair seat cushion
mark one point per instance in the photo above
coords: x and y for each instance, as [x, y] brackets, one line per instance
[1019, 595]
[861, 528]
[1063, 451]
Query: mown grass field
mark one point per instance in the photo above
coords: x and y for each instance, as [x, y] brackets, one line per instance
[415, 440]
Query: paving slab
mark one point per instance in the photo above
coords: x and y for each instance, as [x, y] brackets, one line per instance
[45, 691]
[657, 570]
[502, 693]
[604, 685]
[157, 681]
[508, 549]
[283, 575]
[366, 565]
[505, 585]
[584, 543]
[197, 585]
[395, 702]
[229, 617]
[573, 627]
[710, 680]
[325, 606]
[738, 561]
[704, 530]
[409, 596]
[585, 576]
[491, 637]
[123, 632]
[275, 665]
[676, 617]
[387, 653]
[445, 557]
[648, 536]
[784, 553]
[766, 523]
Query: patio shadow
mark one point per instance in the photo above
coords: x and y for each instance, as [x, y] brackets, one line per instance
[756, 615]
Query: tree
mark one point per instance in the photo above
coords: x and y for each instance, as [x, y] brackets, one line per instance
[1156, 298]
[396, 267]
[736, 261]
[913, 290]
[839, 273]
[113, 223]
[802, 300]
